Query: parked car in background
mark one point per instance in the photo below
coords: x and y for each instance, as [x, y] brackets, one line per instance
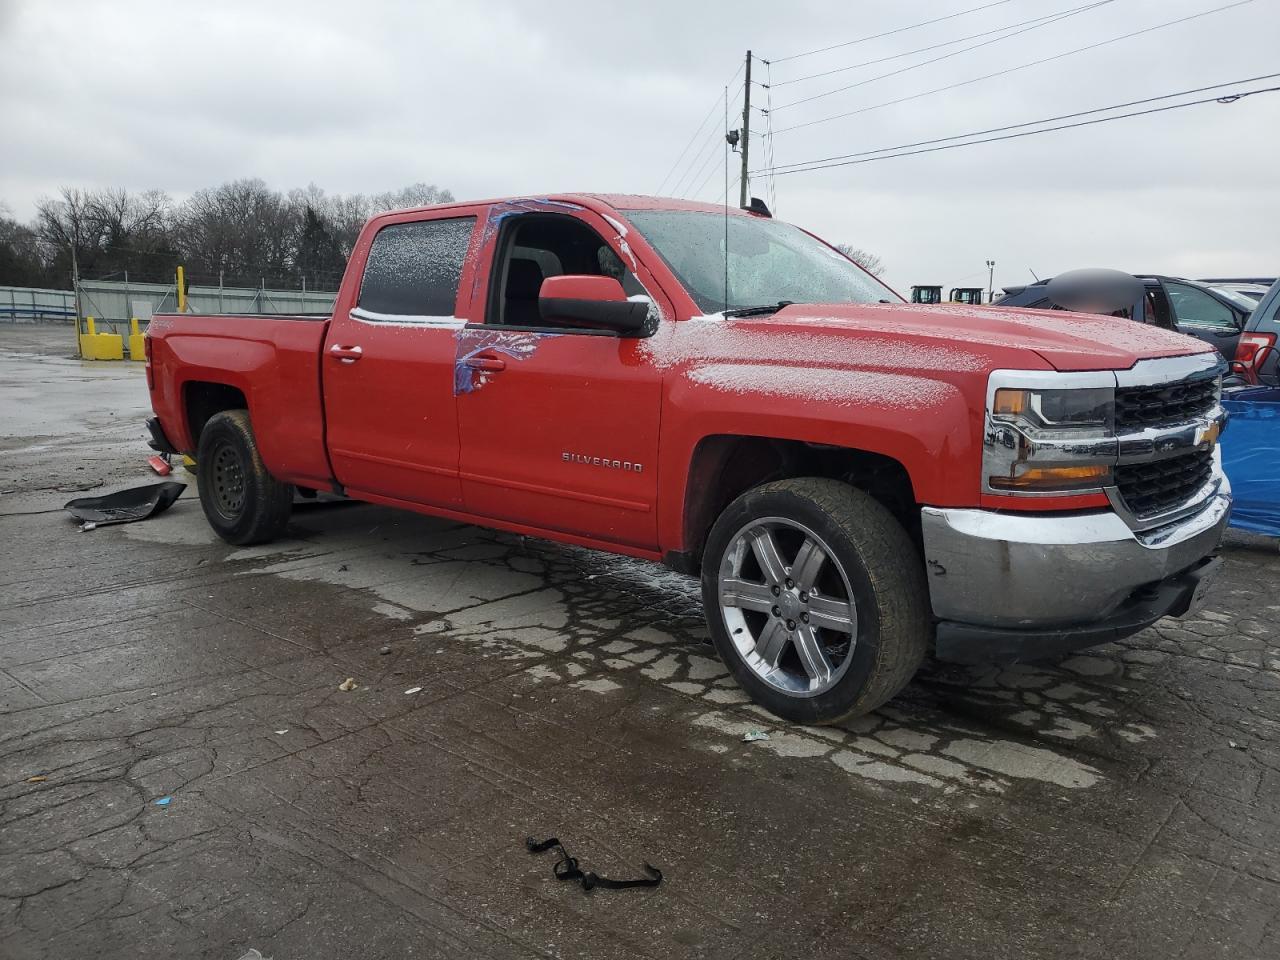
[1216, 316]
[1255, 288]
[1255, 360]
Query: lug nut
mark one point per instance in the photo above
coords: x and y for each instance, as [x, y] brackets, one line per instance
[804, 598]
[791, 624]
[790, 584]
[804, 617]
[776, 590]
[777, 612]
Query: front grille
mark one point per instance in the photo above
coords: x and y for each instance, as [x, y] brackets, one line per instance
[1152, 488]
[1138, 407]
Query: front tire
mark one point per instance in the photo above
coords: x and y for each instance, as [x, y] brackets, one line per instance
[816, 599]
[242, 501]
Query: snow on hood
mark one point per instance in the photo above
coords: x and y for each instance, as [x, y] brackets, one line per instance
[1067, 341]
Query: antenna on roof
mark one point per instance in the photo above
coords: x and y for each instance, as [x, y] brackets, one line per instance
[730, 140]
[1033, 273]
[758, 206]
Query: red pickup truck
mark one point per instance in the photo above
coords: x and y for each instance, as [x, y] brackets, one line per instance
[858, 481]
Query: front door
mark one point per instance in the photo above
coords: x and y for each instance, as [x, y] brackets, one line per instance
[391, 419]
[559, 426]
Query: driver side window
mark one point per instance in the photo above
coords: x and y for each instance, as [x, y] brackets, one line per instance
[537, 246]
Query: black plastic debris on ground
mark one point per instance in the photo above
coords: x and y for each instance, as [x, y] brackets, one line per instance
[567, 868]
[125, 506]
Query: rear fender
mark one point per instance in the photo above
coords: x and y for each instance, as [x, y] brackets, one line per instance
[282, 396]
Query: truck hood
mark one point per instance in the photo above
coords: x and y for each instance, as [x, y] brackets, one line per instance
[1064, 341]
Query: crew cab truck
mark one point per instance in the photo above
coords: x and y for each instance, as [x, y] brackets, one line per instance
[857, 481]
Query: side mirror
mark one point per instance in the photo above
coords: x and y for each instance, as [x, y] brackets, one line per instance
[593, 302]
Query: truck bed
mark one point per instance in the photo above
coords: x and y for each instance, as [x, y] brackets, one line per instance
[273, 360]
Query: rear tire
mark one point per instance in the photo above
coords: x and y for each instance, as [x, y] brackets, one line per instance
[831, 620]
[242, 501]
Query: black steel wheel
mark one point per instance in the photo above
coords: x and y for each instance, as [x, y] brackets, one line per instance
[242, 501]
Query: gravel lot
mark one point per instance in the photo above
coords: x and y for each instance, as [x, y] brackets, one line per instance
[1124, 802]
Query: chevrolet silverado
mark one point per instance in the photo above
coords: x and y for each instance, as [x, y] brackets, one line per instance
[859, 482]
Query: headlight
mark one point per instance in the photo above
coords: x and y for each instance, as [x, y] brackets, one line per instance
[1049, 433]
[1056, 409]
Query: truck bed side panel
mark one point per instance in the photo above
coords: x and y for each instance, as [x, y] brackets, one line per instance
[273, 361]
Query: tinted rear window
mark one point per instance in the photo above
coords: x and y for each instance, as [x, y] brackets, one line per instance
[414, 268]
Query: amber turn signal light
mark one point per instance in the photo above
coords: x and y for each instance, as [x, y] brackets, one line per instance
[1011, 403]
[1052, 478]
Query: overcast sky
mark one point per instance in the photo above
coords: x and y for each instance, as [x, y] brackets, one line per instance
[499, 98]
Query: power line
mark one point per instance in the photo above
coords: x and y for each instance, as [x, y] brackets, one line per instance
[1017, 126]
[768, 141]
[947, 56]
[693, 194]
[710, 114]
[889, 33]
[933, 46]
[1229, 98]
[702, 158]
[1015, 69]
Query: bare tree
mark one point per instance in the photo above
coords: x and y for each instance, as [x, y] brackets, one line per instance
[21, 263]
[867, 261]
[414, 195]
[241, 232]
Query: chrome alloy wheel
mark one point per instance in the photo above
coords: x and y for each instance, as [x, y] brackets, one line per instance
[228, 481]
[793, 621]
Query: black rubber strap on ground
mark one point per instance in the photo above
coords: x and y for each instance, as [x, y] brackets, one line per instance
[567, 868]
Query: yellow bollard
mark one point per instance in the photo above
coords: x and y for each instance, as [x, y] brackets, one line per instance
[86, 340]
[137, 342]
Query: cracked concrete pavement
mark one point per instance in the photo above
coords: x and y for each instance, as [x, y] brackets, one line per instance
[1123, 802]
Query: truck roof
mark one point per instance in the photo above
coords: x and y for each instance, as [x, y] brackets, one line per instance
[618, 201]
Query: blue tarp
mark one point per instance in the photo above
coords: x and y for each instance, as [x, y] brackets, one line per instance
[1251, 458]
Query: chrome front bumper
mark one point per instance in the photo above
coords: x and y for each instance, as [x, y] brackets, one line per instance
[1055, 572]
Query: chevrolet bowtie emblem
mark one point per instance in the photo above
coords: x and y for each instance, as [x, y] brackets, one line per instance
[1207, 436]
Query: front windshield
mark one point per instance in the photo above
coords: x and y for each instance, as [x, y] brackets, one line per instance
[768, 261]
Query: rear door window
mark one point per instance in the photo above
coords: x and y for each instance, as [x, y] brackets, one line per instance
[1192, 305]
[413, 269]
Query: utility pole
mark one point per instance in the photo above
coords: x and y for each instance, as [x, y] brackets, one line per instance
[744, 199]
[991, 287]
[75, 286]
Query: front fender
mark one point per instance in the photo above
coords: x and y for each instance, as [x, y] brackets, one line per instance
[929, 425]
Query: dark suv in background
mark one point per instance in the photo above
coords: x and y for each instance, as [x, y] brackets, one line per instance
[1214, 314]
[1256, 354]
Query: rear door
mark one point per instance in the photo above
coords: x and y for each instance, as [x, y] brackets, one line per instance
[559, 426]
[392, 428]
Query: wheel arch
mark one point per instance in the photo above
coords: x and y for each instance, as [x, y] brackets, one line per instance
[201, 399]
[724, 466]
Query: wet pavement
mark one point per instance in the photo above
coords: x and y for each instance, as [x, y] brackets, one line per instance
[1124, 802]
